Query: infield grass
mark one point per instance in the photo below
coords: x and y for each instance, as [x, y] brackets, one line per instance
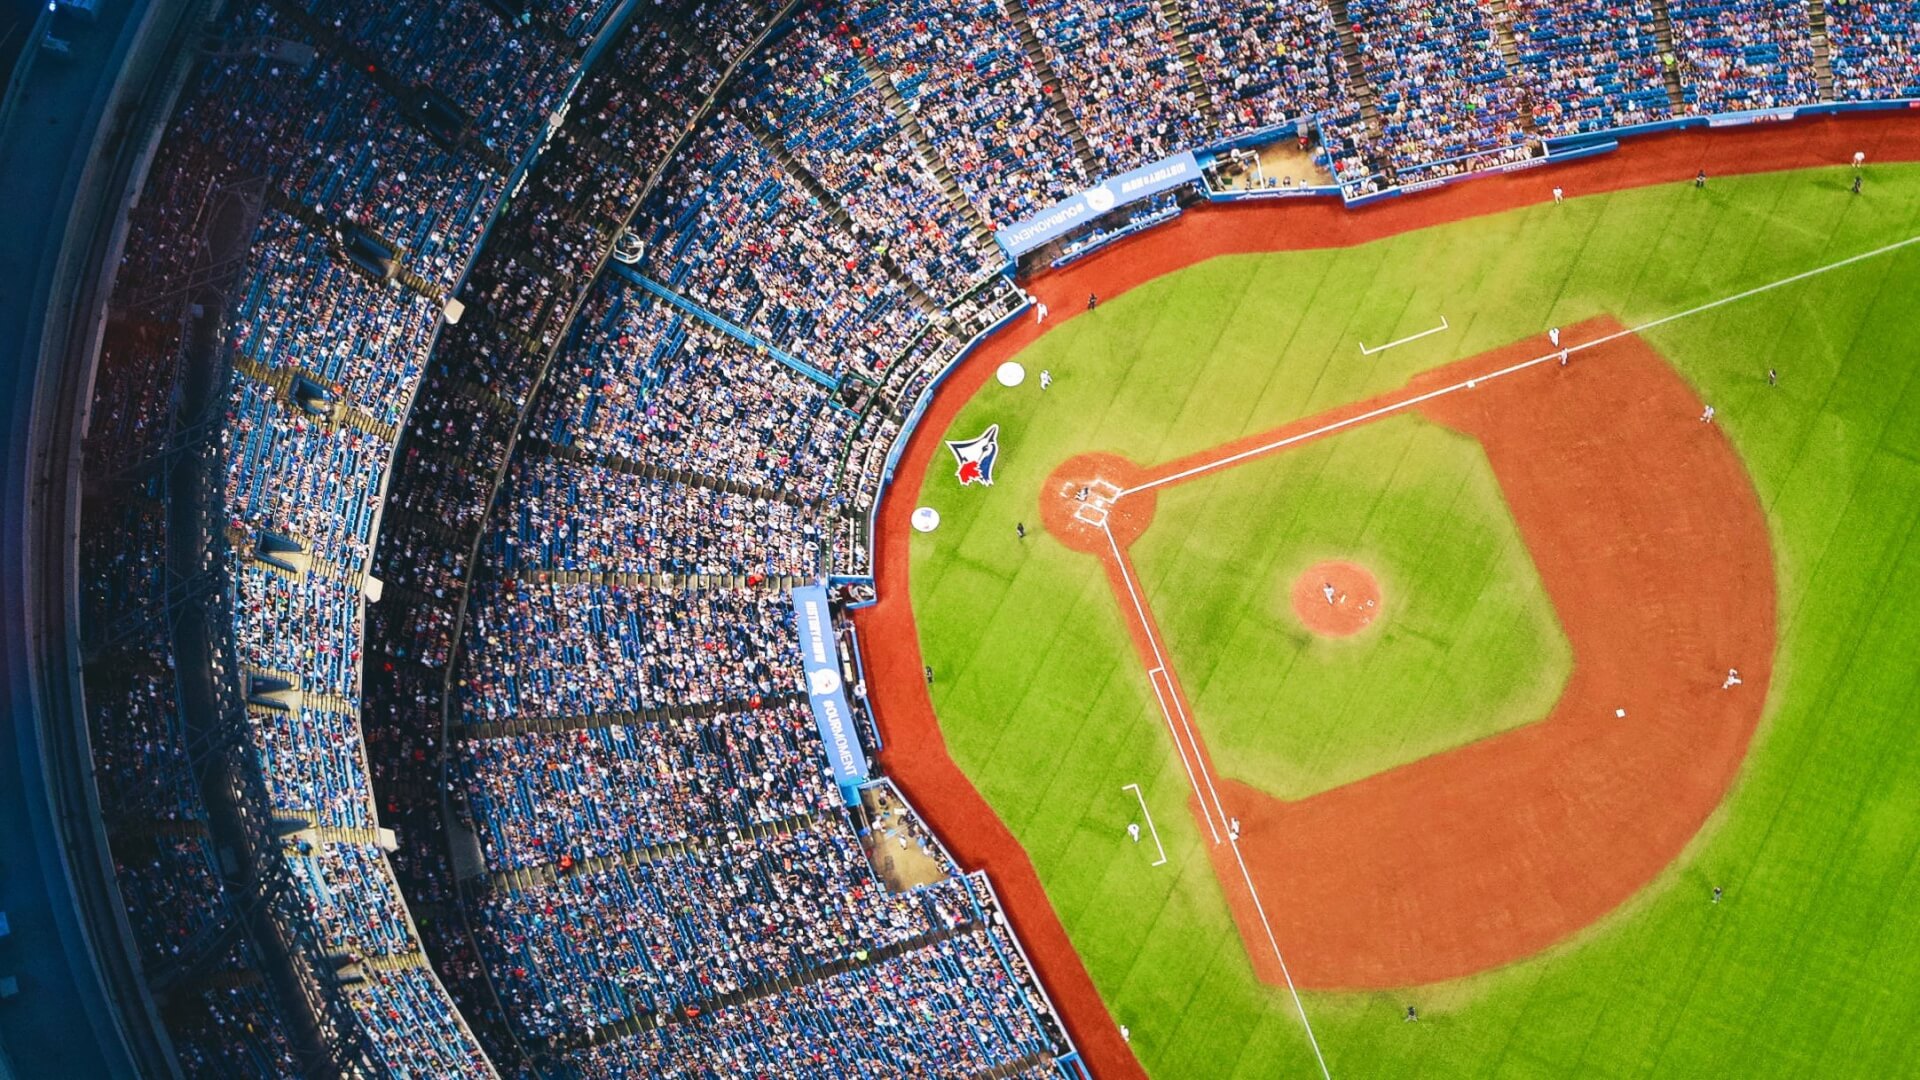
[1465, 630]
[1805, 969]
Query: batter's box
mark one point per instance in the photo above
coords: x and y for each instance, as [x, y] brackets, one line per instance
[1094, 500]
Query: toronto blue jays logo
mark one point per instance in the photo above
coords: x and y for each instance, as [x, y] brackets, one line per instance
[975, 457]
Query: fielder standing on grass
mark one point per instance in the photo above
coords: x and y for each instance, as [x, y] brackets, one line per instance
[1046, 378]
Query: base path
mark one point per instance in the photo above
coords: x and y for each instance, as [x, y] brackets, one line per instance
[1651, 543]
[916, 754]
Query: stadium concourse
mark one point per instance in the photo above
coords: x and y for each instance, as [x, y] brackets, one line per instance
[445, 681]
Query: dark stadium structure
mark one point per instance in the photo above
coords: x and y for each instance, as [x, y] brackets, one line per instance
[443, 445]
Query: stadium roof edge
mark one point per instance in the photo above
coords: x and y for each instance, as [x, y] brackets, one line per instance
[70, 139]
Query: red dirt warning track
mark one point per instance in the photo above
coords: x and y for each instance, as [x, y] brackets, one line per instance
[916, 755]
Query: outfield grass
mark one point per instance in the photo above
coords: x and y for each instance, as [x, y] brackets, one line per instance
[1805, 969]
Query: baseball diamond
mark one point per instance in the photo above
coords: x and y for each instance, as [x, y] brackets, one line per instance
[1522, 771]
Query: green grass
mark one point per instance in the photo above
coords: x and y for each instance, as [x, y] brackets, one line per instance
[1463, 609]
[1806, 969]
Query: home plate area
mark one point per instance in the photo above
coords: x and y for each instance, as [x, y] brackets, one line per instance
[1094, 500]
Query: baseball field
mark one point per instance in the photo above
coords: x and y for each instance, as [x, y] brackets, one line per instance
[1455, 674]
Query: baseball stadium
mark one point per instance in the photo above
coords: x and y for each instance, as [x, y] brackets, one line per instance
[962, 539]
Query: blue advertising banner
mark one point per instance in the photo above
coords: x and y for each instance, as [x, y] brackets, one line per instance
[820, 658]
[1062, 217]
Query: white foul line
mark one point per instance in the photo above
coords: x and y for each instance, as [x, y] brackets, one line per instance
[1148, 814]
[1364, 351]
[1284, 973]
[1153, 678]
[1468, 384]
[1233, 840]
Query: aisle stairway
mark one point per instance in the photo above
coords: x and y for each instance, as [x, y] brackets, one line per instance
[754, 121]
[1016, 12]
[1358, 86]
[1510, 55]
[1663, 34]
[1822, 47]
[923, 148]
[1183, 44]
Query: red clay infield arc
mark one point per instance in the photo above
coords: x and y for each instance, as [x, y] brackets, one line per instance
[916, 754]
[1652, 545]
[1336, 599]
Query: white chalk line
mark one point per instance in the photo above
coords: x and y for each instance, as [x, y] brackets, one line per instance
[1233, 841]
[1148, 814]
[1261, 910]
[1158, 672]
[1152, 679]
[1180, 708]
[1399, 406]
[1364, 351]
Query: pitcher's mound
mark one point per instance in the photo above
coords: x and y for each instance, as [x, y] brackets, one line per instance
[1355, 599]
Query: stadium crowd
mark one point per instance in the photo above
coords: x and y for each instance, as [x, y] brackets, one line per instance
[1588, 65]
[980, 100]
[1268, 62]
[1447, 102]
[1121, 73]
[1875, 47]
[737, 235]
[1744, 54]
[817, 93]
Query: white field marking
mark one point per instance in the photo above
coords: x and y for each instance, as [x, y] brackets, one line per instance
[1284, 973]
[1180, 709]
[1170, 705]
[1095, 516]
[1364, 351]
[1398, 406]
[1185, 763]
[1148, 814]
[1173, 695]
[1232, 841]
[1153, 678]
